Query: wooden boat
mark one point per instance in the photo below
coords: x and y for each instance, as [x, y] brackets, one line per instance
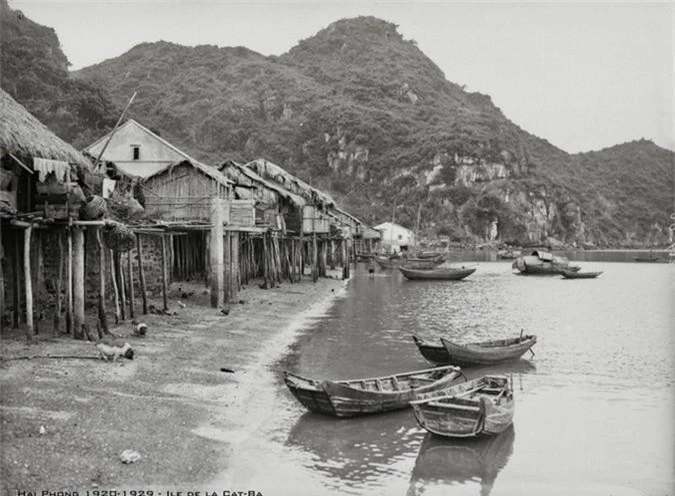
[480, 353]
[650, 259]
[508, 254]
[413, 263]
[371, 395]
[480, 407]
[542, 262]
[438, 273]
[488, 352]
[567, 274]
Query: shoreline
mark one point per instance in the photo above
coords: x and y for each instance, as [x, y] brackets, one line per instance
[172, 404]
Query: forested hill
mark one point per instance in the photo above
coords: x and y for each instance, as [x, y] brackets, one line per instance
[363, 113]
[34, 71]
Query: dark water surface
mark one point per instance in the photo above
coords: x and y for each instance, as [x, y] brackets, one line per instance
[594, 406]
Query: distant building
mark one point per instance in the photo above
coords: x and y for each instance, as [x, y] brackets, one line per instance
[136, 150]
[395, 237]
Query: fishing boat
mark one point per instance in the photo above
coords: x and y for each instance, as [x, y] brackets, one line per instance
[488, 352]
[567, 274]
[480, 407]
[438, 273]
[650, 259]
[372, 395]
[542, 262]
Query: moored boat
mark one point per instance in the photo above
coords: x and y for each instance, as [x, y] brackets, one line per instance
[438, 273]
[478, 353]
[371, 395]
[480, 407]
[543, 262]
[413, 263]
[567, 274]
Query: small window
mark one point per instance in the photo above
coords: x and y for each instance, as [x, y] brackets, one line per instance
[136, 152]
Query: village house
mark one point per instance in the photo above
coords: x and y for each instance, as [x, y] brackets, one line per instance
[395, 238]
[136, 150]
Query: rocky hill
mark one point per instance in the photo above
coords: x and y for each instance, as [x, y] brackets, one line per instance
[363, 113]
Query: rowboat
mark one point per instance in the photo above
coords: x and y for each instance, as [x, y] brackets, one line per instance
[580, 274]
[371, 395]
[488, 352]
[437, 274]
[650, 259]
[480, 407]
[481, 353]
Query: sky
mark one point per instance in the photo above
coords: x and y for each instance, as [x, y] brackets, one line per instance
[584, 76]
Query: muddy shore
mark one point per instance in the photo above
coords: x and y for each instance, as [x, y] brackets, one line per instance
[65, 421]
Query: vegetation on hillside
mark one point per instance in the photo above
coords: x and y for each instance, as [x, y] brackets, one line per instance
[363, 113]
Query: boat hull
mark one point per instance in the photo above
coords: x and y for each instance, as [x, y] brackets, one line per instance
[444, 274]
[488, 352]
[580, 275]
[361, 397]
[482, 407]
[482, 353]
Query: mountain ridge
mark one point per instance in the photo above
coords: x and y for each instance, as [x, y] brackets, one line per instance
[362, 113]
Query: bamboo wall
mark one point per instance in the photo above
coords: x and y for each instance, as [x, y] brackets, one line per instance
[183, 193]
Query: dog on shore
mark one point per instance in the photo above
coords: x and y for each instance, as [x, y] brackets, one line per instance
[140, 329]
[112, 349]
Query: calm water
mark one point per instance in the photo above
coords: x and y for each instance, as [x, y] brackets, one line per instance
[594, 406]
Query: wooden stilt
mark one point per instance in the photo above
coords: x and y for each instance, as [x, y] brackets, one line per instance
[216, 253]
[227, 266]
[165, 283]
[120, 285]
[141, 274]
[28, 283]
[69, 281]
[38, 281]
[59, 289]
[130, 271]
[102, 312]
[78, 283]
[113, 279]
[17, 280]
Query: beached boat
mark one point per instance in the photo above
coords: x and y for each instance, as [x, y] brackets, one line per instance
[372, 395]
[542, 262]
[567, 274]
[480, 353]
[480, 407]
[438, 273]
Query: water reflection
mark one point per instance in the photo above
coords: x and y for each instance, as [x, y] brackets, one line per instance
[355, 450]
[443, 461]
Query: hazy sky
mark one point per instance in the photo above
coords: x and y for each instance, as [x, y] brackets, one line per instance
[582, 75]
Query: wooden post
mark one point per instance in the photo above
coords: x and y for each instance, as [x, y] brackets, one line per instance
[234, 266]
[113, 279]
[59, 288]
[130, 270]
[227, 266]
[216, 253]
[28, 283]
[78, 282]
[120, 285]
[165, 283]
[102, 312]
[141, 274]
[17, 280]
[38, 281]
[69, 282]
[345, 261]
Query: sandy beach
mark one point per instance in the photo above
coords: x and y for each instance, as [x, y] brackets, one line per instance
[195, 390]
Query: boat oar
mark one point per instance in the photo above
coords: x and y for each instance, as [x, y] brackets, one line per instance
[531, 351]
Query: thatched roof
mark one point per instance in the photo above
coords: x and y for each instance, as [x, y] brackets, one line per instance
[208, 170]
[23, 134]
[266, 191]
[273, 172]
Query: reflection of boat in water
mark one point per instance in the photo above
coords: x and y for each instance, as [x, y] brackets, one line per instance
[443, 462]
[580, 274]
[361, 448]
